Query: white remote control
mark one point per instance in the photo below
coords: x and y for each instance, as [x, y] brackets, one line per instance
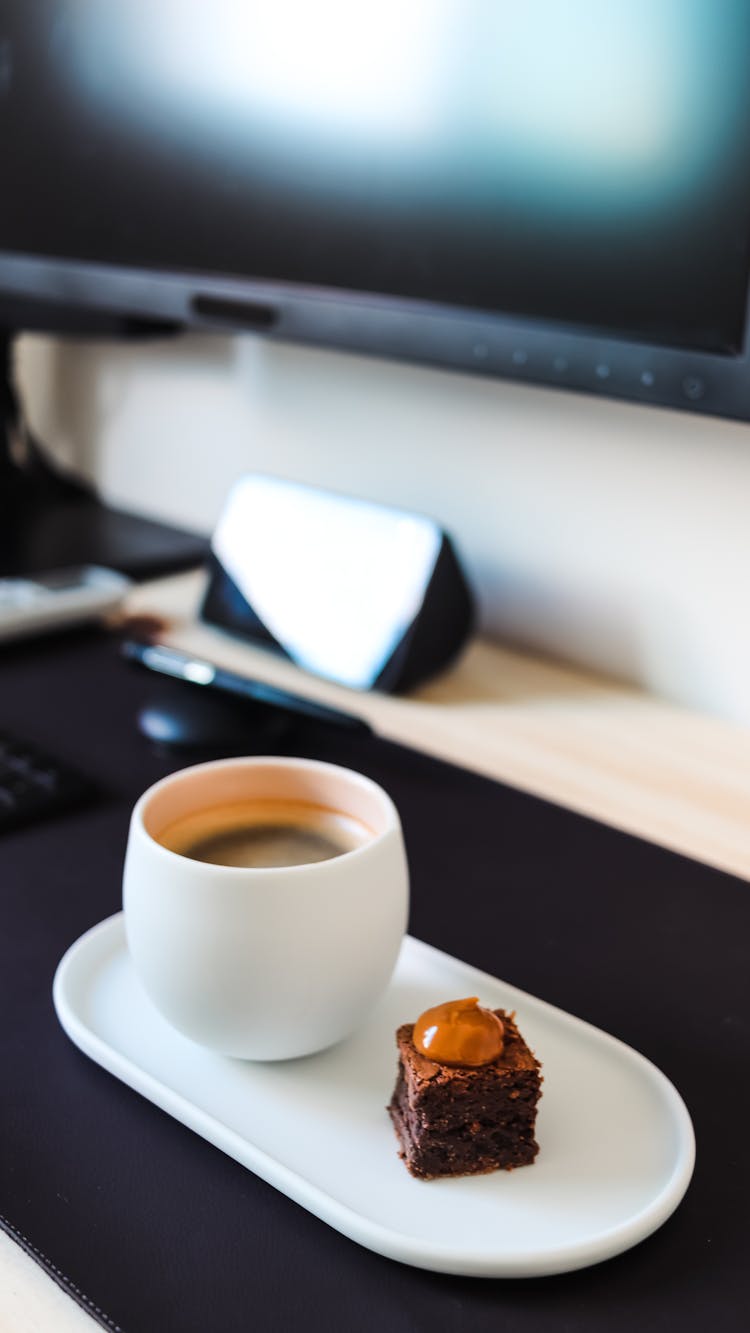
[45, 602]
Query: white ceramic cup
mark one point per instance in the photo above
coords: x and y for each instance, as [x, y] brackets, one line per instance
[265, 963]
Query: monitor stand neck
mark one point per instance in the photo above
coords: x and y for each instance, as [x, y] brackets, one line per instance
[26, 478]
[49, 521]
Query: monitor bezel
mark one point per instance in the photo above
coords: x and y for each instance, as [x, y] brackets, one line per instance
[419, 332]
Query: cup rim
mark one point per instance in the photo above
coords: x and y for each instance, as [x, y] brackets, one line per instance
[282, 761]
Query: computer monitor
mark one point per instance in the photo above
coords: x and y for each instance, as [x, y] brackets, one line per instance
[555, 192]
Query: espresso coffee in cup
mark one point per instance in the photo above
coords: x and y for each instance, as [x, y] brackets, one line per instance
[265, 902]
[264, 833]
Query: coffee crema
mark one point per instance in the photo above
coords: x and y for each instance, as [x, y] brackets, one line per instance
[263, 834]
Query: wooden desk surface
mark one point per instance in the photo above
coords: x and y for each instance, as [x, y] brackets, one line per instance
[602, 748]
[593, 744]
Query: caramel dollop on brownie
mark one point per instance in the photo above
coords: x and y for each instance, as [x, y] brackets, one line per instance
[459, 1032]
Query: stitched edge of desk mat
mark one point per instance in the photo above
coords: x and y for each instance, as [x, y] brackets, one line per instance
[62, 1279]
[158, 1225]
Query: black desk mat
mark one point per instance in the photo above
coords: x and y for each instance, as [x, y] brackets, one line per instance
[152, 1229]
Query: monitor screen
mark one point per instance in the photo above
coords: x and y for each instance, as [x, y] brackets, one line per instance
[552, 190]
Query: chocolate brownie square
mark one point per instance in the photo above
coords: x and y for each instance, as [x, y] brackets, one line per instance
[454, 1120]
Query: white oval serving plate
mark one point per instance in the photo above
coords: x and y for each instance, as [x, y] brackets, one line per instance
[616, 1142]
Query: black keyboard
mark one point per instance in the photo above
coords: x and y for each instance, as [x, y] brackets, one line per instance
[34, 785]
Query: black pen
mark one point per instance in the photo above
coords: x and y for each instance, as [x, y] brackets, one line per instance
[183, 666]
